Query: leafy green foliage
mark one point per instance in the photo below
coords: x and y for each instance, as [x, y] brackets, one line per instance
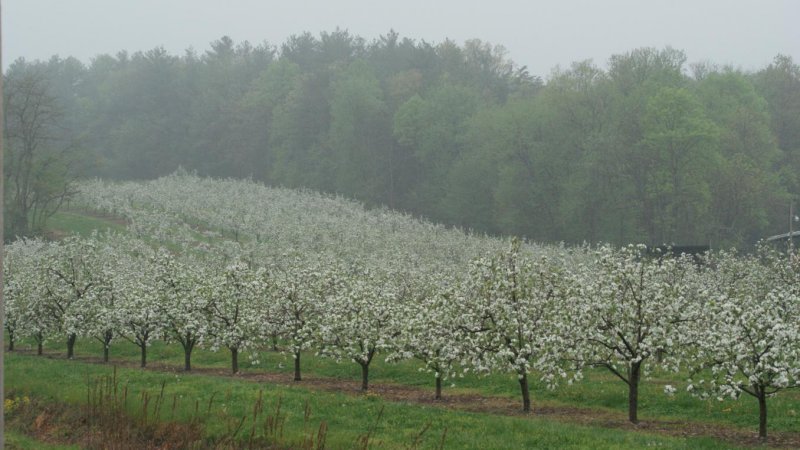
[640, 152]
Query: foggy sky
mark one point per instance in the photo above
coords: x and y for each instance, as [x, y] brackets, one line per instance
[541, 35]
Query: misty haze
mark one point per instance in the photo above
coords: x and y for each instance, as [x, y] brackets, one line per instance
[410, 225]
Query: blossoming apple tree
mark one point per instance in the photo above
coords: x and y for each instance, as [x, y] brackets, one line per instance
[511, 317]
[749, 340]
[631, 306]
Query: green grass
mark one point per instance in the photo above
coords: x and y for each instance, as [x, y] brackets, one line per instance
[347, 416]
[81, 223]
[598, 390]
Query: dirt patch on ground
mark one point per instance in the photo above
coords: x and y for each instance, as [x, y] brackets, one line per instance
[482, 404]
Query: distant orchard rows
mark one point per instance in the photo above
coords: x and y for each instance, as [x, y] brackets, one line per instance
[236, 265]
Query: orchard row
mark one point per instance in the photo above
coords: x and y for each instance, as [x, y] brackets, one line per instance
[235, 265]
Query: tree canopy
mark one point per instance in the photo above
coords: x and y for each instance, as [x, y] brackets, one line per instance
[648, 150]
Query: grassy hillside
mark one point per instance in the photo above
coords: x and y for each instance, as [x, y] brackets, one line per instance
[81, 222]
[349, 416]
[477, 412]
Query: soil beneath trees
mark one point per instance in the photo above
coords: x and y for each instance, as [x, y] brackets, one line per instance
[481, 403]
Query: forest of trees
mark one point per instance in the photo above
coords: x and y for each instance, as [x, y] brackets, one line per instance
[650, 149]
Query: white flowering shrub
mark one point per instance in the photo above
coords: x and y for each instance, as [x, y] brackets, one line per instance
[749, 339]
[630, 312]
[135, 287]
[362, 318]
[430, 331]
[511, 317]
[299, 293]
[180, 302]
[25, 312]
[230, 300]
[71, 279]
[102, 318]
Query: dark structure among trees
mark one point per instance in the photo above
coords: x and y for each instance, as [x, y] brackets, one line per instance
[793, 236]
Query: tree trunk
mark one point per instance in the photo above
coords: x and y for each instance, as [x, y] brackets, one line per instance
[107, 336]
[364, 376]
[144, 355]
[526, 393]
[187, 356]
[634, 374]
[10, 341]
[71, 345]
[438, 388]
[762, 414]
[235, 360]
[297, 367]
[39, 343]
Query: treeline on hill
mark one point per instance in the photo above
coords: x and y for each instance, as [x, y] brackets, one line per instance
[651, 149]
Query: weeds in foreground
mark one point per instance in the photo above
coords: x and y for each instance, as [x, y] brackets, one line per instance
[113, 419]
